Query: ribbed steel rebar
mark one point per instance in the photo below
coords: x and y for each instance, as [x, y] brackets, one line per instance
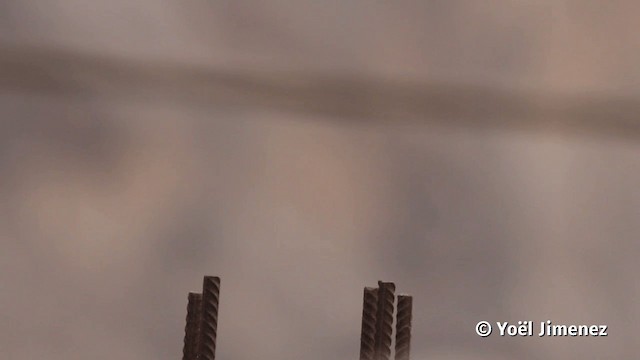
[384, 320]
[403, 327]
[191, 330]
[209, 322]
[369, 316]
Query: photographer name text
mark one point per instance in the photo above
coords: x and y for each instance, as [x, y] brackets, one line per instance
[541, 329]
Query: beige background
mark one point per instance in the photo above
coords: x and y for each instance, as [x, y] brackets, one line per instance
[137, 154]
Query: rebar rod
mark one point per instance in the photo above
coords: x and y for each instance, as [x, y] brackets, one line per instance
[369, 316]
[403, 327]
[194, 307]
[209, 320]
[384, 320]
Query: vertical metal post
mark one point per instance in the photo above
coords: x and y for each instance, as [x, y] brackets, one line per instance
[403, 327]
[369, 316]
[194, 306]
[384, 320]
[209, 320]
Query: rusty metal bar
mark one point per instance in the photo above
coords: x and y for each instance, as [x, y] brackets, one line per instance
[378, 314]
[403, 327]
[369, 316]
[191, 331]
[209, 320]
[384, 320]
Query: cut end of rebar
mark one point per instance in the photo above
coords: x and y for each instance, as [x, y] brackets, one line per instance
[387, 285]
[215, 279]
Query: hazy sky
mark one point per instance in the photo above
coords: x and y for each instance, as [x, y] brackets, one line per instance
[113, 208]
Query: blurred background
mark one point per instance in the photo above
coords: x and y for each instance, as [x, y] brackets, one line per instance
[485, 156]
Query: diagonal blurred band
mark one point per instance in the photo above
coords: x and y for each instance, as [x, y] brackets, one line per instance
[56, 72]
